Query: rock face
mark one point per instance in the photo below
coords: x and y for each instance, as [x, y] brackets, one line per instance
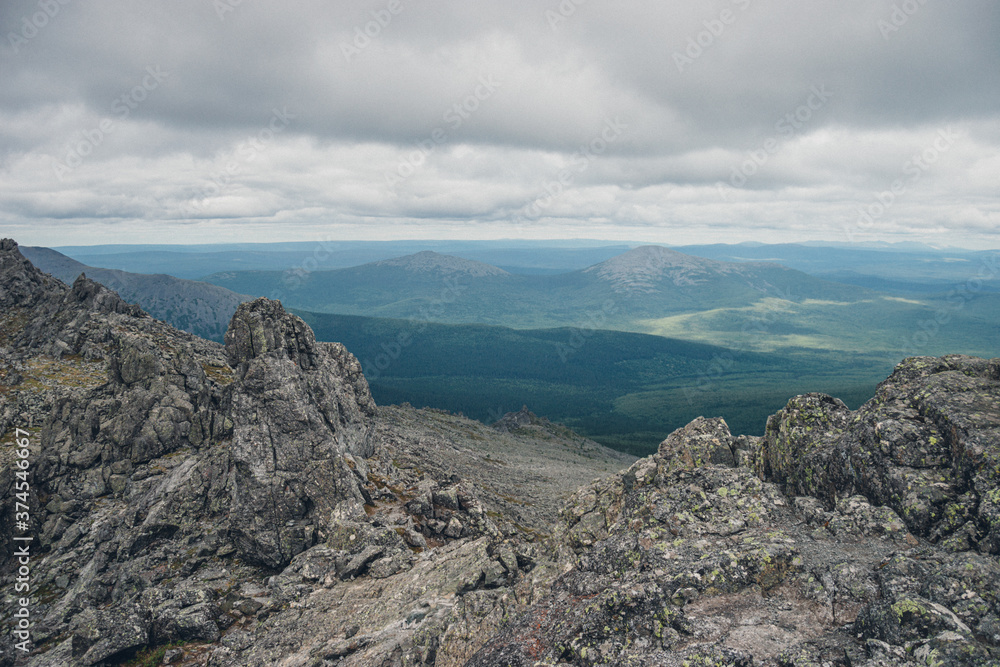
[302, 418]
[926, 446]
[248, 504]
[863, 538]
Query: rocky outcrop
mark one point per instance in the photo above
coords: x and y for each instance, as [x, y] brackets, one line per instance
[189, 305]
[21, 286]
[188, 492]
[926, 445]
[43, 315]
[841, 538]
[302, 416]
[248, 504]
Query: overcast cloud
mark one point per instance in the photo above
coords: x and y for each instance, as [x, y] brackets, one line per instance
[772, 120]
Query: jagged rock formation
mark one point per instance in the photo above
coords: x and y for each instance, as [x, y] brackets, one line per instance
[684, 559]
[926, 446]
[514, 421]
[302, 418]
[185, 491]
[248, 504]
[189, 305]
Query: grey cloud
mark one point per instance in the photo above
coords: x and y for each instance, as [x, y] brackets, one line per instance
[363, 103]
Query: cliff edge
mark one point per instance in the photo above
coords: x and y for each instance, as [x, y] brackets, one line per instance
[192, 503]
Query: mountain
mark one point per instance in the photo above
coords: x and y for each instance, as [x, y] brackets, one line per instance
[192, 306]
[645, 268]
[645, 282]
[195, 261]
[666, 277]
[897, 268]
[249, 505]
[429, 262]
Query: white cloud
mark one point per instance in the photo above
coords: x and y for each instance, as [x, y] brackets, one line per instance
[198, 154]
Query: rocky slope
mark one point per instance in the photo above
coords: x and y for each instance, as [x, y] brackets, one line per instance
[186, 492]
[248, 504]
[190, 305]
[839, 538]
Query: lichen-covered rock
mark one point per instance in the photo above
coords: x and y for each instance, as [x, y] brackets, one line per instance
[797, 443]
[927, 445]
[702, 442]
[679, 560]
[248, 502]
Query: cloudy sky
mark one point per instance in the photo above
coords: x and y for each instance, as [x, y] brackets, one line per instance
[674, 122]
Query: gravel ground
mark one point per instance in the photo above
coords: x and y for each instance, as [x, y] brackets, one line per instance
[525, 474]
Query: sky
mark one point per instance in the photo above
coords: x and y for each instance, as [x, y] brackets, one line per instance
[200, 121]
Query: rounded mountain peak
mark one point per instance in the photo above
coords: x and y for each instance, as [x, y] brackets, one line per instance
[641, 268]
[429, 261]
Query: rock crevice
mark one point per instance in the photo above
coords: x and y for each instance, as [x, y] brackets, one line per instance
[247, 504]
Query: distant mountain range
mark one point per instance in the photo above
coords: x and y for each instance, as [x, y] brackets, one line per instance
[746, 296]
[415, 322]
[645, 282]
[900, 268]
[196, 307]
[196, 261]
[897, 268]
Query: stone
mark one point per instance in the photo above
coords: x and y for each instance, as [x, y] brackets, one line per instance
[250, 498]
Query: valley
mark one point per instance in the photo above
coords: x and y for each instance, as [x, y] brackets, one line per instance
[624, 349]
[622, 389]
[200, 503]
